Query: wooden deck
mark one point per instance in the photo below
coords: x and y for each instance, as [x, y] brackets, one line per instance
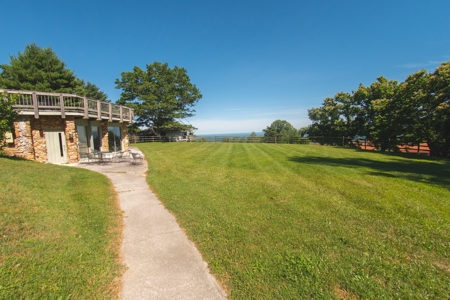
[51, 104]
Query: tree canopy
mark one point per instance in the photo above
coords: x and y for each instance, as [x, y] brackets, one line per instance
[388, 112]
[159, 95]
[280, 128]
[7, 113]
[91, 91]
[40, 69]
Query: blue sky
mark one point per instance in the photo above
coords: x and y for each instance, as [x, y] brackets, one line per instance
[253, 61]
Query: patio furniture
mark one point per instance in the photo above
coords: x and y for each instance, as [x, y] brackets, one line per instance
[93, 157]
[84, 158]
[137, 158]
[100, 156]
[126, 156]
[117, 156]
[106, 157]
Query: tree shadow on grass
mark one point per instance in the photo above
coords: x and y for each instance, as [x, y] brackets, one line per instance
[432, 171]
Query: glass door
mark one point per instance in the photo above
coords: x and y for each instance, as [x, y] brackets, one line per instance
[83, 141]
[114, 139]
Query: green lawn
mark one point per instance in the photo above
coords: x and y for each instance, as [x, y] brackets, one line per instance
[60, 233]
[298, 221]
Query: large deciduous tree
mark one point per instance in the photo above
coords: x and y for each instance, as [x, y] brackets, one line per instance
[377, 112]
[160, 96]
[40, 69]
[387, 113]
[425, 102]
[280, 128]
[335, 117]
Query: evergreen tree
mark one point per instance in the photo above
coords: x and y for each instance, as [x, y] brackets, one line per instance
[40, 69]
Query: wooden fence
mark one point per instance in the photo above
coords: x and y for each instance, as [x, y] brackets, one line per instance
[361, 144]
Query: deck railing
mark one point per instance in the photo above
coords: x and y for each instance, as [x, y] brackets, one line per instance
[42, 103]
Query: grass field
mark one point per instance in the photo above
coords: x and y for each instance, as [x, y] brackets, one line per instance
[300, 221]
[60, 233]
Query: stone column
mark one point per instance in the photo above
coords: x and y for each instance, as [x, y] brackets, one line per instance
[104, 127]
[38, 137]
[23, 142]
[71, 140]
[126, 141]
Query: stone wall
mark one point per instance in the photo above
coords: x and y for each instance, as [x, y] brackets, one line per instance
[23, 142]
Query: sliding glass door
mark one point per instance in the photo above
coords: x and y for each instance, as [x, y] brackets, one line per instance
[114, 138]
[89, 136]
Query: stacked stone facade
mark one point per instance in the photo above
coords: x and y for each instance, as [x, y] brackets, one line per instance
[104, 130]
[23, 143]
[30, 142]
[71, 140]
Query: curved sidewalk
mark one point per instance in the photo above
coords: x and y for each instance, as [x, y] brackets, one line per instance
[161, 262]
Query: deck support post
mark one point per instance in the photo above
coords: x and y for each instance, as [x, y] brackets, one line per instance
[35, 106]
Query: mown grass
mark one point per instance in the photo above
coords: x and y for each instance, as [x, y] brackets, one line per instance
[301, 221]
[60, 233]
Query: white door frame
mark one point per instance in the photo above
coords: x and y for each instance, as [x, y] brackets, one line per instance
[56, 146]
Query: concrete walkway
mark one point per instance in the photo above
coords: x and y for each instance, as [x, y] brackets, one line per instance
[161, 262]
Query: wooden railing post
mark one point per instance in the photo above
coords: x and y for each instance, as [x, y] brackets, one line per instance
[86, 108]
[99, 110]
[61, 104]
[121, 114]
[35, 106]
[110, 112]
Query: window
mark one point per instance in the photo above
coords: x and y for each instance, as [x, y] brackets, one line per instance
[95, 137]
[89, 136]
[114, 138]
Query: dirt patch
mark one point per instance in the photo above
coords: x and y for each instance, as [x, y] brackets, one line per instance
[343, 294]
[443, 266]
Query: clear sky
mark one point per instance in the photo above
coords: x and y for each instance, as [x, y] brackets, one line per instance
[253, 61]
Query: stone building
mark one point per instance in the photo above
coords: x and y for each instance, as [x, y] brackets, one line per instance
[57, 128]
